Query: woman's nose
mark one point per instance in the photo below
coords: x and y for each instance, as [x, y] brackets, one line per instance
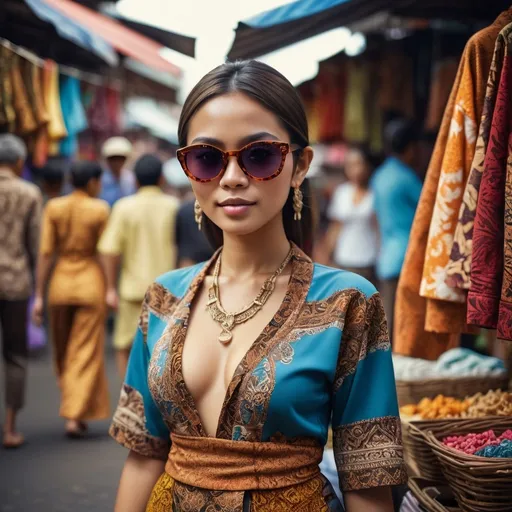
[233, 176]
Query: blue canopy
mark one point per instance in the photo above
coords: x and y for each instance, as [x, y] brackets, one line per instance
[290, 12]
[74, 32]
[302, 19]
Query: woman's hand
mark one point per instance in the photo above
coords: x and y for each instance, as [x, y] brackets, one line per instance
[38, 311]
[378, 499]
[112, 299]
[140, 475]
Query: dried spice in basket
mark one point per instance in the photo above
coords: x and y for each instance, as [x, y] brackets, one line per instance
[439, 407]
[493, 403]
[473, 443]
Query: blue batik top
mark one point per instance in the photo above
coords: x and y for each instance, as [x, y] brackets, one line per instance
[323, 360]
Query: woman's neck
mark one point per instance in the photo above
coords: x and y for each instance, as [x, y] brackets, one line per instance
[258, 253]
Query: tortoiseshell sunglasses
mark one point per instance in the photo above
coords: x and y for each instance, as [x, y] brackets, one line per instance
[261, 161]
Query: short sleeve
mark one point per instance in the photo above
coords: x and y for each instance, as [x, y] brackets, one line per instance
[48, 242]
[112, 238]
[137, 423]
[367, 438]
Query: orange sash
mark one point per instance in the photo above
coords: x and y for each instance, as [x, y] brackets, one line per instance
[223, 465]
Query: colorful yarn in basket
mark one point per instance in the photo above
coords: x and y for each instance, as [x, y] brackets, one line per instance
[503, 450]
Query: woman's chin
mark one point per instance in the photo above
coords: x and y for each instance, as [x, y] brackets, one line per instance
[240, 227]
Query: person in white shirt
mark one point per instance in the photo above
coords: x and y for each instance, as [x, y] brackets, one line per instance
[351, 241]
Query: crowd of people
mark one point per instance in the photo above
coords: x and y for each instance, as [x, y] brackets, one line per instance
[81, 253]
[105, 236]
[83, 250]
[371, 213]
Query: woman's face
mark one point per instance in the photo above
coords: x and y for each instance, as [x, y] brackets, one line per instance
[229, 122]
[357, 169]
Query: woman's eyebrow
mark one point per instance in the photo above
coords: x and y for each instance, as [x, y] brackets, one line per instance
[208, 140]
[257, 137]
[242, 142]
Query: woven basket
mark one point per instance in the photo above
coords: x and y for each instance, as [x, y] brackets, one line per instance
[412, 392]
[419, 457]
[480, 484]
[419, 486]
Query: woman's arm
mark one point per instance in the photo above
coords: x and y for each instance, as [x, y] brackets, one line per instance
[139, 476]
[378, 499]
[328, 244]
[44, 268]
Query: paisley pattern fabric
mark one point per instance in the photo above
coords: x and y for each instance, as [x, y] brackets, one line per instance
[315, 495]
[369, 452]
[455, 170]
[487, 268]
[416, 316]
[21, 205]
[505, 312]
[311, 367]
[459, 267]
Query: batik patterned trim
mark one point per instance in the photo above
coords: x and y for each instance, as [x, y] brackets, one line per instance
[165, 376]
[161, 302]
[187, 498]
[128, 426]
[315, 494]
[369, 454]
[244, 412]
[365, 331]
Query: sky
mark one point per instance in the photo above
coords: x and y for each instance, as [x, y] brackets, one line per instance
[213, 24]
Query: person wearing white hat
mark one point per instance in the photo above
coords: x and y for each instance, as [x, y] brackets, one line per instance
[116, 181]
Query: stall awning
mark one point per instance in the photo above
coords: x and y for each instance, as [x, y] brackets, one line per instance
[177, 42]
[126, 41]
[303, 19]
[74, 31]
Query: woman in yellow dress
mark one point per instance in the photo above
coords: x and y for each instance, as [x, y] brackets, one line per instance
[72, 226]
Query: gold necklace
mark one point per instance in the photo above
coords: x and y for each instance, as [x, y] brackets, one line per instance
[228, 320]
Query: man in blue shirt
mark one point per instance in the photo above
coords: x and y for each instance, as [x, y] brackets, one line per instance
[397, 188]
[116, 180]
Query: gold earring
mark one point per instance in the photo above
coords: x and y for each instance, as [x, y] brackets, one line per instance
[198, 213]
[297, 203]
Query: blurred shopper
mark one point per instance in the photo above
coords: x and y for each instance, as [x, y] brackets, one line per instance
[117, 181]
[52, 179]
[396, 188]
[193, 247]
[351, 241]
[72, 226]
[140, 242]
[20, 213]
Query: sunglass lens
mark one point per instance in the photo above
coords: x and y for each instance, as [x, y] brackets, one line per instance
[204, 163]
[262, 160]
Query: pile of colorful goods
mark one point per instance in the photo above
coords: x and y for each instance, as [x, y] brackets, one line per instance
[475, 444]
[492, 403]
[475, 456]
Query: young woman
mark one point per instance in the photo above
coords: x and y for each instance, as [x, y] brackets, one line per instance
[240, 364]
[72, 226]
[351, 240]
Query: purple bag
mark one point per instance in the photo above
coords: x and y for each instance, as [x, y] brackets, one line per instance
[36, 335]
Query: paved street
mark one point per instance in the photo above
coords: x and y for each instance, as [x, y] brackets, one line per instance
[52, 473]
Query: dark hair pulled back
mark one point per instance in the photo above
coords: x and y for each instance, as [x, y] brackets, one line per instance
[274, 92]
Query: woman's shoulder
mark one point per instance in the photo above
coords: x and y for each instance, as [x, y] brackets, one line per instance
[329, 281]
[167, 290]
[178, 281]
